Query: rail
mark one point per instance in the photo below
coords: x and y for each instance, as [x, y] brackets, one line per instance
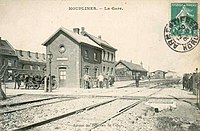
[90, 107]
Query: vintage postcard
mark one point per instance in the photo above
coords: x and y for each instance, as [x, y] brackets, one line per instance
[100, 65]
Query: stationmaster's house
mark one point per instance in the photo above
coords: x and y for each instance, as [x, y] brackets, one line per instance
[76, 53]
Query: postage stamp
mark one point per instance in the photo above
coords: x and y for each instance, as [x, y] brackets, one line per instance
[182, 33]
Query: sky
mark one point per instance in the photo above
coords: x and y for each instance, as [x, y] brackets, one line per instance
[136, 31]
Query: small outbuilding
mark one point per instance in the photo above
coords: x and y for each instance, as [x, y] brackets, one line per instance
[158, 74]
[127, 71]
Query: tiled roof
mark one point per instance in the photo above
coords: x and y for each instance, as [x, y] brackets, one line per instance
[24, 56]
[6, 48]
[99, 40]
[132, 66]
[78, 37]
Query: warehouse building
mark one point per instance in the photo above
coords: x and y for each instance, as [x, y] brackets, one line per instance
[127, 71]
[31, 63]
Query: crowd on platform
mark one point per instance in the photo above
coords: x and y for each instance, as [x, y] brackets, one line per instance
[191, 81]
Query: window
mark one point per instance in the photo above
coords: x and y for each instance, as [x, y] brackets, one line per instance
[104, 69]
[95, 72]
[9, 63]
[104, 54]
[86, 54]
[95, 56]
[108, 69]
[20, 52]
[112, 57]
[31, 67]
[108, 57]
[38, 67]
[86, 70]
[29, 53]
[37, 55]
[62, 48]
[15, 63]
[63, 75]
[111, 71]
[22, 66]
[3, 61]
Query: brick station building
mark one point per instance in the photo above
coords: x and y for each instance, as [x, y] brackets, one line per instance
[76, 53]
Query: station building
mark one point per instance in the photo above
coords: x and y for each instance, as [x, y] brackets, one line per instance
[108, 53]
[125, 70]
[8, 59]
[76, 53]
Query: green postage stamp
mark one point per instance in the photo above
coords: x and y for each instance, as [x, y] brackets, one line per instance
[182, 32]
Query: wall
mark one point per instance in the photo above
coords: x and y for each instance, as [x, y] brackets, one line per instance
[12, 66]
[69, 59]
[108, 65]
[90, 62]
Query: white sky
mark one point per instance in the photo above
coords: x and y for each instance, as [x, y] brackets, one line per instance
[137, 31]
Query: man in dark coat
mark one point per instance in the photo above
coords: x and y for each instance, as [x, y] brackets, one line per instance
[137, 79]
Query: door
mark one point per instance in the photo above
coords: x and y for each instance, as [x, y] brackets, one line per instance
[62, 76]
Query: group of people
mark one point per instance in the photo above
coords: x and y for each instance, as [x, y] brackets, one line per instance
[26, 79]
[189, 80]
[100, 81]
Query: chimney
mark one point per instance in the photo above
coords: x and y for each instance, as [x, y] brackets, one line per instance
[131, 61]
[141, 63]
[76, 30]
[82, 30]
[99, 36]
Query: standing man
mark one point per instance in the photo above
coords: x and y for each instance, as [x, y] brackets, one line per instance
[197, 82]
[106, 80]
[17, 81]
[137, 79]
[100, 80]
[86, 81]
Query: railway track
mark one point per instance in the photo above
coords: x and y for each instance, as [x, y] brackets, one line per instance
[124, 110]
[90, 107]
[37, 105]
[26, 102]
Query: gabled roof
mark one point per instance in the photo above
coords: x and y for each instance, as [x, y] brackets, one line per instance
[158, 71]
[99, 41]
[6, 48]
[132, 66]
[77, 37]
[23, 56]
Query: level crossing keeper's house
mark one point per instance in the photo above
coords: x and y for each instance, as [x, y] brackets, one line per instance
[74, 55]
